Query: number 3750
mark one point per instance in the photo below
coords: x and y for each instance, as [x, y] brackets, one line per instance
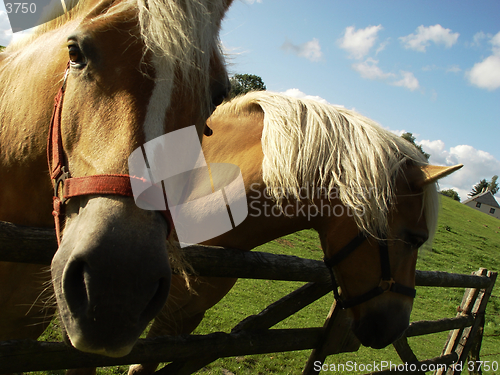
[20, 7]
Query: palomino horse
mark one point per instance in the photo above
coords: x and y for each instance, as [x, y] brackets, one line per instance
[128, 72]
[369, 181]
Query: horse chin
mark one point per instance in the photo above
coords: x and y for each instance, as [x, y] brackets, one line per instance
[381, 327]
[78, 342]
[114, 351]
[111, 276]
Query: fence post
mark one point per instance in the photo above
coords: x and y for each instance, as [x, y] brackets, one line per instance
[461, 340]
[405, 353]
[476, 348]
[337, 338]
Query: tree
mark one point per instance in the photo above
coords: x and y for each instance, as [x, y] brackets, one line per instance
[410, 138]
[451, 193]
[479, 188]
[493, 185]
[485, 185]
[243, 83]
[2, 48]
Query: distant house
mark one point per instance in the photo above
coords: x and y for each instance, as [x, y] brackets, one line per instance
[484, 202]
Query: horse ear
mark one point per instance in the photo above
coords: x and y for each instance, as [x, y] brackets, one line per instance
[227, 3]
[432, 173]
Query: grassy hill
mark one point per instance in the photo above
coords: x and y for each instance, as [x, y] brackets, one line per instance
[466, 240]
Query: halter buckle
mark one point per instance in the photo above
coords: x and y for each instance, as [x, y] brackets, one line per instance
[60, 182]
[386, 285]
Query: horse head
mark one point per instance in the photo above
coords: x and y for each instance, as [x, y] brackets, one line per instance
[376, 272]
[137, 70]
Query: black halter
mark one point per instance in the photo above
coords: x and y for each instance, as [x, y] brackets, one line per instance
[387, 283]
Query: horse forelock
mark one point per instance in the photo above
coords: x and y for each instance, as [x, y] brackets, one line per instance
[310, 144]
[182, 37]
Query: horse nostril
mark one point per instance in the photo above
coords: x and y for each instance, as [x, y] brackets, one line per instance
[158, 300]
[74, 286]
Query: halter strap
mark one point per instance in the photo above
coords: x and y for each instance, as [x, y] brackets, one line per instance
[345, 251]
[387, 283]
[102, 184]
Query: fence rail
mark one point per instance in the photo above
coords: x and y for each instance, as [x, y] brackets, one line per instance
[252, 335]
[39, 246]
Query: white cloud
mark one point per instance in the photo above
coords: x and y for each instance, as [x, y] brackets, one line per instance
[296, 93]
[398, 132]
[6, 34]
[253, 1]
[424, 35]
[429, 68]
[369, 69]
[310, 50]
[477, 38]
[409, 81]
[453, 69]
[5, 30]
[382, 46]
[478, 164]
[486, 74]
[437, 151]
[359, 42]
[495, 42]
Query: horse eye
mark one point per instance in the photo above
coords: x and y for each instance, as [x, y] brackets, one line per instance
[75, 55]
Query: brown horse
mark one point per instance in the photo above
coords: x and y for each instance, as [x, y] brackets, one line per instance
[132, 70]
[309, 165]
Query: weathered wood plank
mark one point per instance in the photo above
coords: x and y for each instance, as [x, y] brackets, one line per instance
[426, 327]
[38, 245]
[221, 262]
[452, 280]
[284, 307]
[30, 355]
[465, 308]
[469, 333]
[406, 354]
[337, 338]
[26, 244]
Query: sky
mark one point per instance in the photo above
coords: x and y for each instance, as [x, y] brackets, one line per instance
[429, 67]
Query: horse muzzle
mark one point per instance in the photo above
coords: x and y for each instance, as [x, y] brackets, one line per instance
[381, 327]
[111, 275]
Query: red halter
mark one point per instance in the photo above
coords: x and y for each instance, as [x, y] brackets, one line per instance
[115, 184]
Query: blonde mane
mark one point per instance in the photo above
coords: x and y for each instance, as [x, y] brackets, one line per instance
[179, 34]
[309, 144]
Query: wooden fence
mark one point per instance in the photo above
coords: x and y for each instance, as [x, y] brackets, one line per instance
[253, 335]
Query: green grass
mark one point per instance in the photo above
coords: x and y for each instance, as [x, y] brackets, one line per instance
[466, 240]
